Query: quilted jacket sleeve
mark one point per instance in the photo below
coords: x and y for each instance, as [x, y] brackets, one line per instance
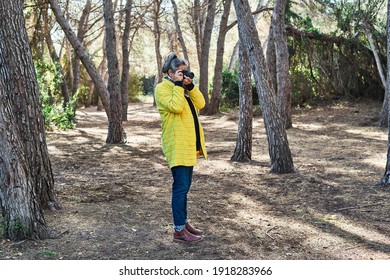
[197, 98]
[170, 100]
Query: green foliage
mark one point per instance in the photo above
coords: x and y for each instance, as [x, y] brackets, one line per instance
[148, 84]
[54, 113]
[297, 20]
[136, 87]
[230, 90]
[350, 14]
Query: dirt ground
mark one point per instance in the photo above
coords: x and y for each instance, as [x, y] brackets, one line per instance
[116, 198]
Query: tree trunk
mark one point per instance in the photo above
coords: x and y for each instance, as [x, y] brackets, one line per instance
[115, 126]
[205, 51]
[279, 151]
[56, 59]
[80, 36]
[217, 83]
[157, 39]
[256, 17]
[83, 55]
[126, 64]
[386, 178]
[282, 62]
[179, 33]
[88, 101]
[383, 118]
[243, 150]
[26, 178]
[270, 57]
[198, 27]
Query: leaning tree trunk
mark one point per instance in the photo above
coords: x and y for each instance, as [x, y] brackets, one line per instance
[386, 178]
[278, 147]
[115, 126]
[383, 121]
[54, 56]
[217, 82]
[243, 150]
[83, 55]
[80, 36]
[26, 178]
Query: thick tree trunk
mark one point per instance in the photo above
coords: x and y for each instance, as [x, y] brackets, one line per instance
[126, 63]
[243, 150]
[217, 82]
[279, 151]
[115, 126]
[205, 51]
[282, 62]
[82, 54]
[26, 179]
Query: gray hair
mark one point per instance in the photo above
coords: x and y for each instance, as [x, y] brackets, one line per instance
[173, 62]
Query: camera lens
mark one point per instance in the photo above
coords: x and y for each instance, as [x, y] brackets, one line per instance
[188, 74]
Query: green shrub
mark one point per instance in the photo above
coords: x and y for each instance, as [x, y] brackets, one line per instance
[230, 93]
[136, 87]
[54, 113]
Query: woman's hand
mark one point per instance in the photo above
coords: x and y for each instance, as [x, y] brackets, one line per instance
[178, 76]
[187, 81]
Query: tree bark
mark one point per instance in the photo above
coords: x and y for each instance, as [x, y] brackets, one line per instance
[383, 117]
[157, 38]
[115, 126]
[260, 7]
[83, 55]
[270, 57]
[26, 178]
[82, 29]
[179, 33]
[279, 37]
[126, 63]
[205, 51]
[56, 59]
[198, 27]
[279, 151]
[243, 150]
[217, 82]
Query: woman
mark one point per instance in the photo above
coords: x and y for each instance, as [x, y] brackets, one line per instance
[178, 100]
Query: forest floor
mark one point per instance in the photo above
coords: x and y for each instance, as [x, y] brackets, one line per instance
[116, 198]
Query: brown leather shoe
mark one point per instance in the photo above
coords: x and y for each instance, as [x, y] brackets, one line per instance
[185, 236]
[193, 230]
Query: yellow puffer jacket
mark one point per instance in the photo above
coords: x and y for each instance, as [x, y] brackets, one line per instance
[177, 122]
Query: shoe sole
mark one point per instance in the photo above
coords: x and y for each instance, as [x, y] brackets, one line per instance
[186, 241]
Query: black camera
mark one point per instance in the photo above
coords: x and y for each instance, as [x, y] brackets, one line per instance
[188, 74]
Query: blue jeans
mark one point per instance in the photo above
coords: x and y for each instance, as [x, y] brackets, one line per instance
[182, 178]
